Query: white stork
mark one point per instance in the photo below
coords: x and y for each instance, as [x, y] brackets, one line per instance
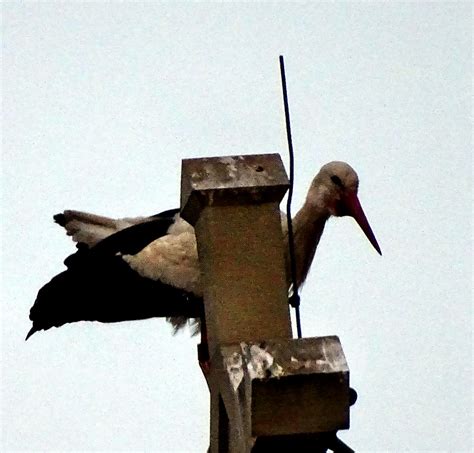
[138, 268]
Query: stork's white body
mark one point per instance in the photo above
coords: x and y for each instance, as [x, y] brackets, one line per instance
[173, 258]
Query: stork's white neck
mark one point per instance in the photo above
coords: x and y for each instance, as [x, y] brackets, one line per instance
[308, 227]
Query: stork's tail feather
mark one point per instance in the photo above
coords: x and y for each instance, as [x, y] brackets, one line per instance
[70, 215]
[60, 219]
[90, 228]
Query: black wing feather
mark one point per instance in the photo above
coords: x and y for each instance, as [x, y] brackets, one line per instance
[100, 286]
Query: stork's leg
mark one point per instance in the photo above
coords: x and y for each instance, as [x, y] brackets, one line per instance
[203, 350]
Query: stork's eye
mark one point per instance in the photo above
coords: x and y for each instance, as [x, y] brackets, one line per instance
[336, 180]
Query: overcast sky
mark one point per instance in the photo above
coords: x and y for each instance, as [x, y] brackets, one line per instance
[101, 101]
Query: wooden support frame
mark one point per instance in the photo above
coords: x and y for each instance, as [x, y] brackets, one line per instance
[263, 383]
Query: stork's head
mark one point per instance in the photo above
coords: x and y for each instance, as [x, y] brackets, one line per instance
[334, 190]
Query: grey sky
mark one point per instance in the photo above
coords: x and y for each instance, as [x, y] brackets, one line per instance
[101, 101]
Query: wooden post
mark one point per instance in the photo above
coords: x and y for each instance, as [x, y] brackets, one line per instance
[263, 384]
[233, 203]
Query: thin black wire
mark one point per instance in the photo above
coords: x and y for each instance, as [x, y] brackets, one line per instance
[294, 299]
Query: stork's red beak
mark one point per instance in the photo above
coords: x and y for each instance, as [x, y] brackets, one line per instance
[354, 209]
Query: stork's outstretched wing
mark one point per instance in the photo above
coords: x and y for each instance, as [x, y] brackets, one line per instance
[99, 285]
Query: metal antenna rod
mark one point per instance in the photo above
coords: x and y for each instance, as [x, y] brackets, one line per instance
[294, 299]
